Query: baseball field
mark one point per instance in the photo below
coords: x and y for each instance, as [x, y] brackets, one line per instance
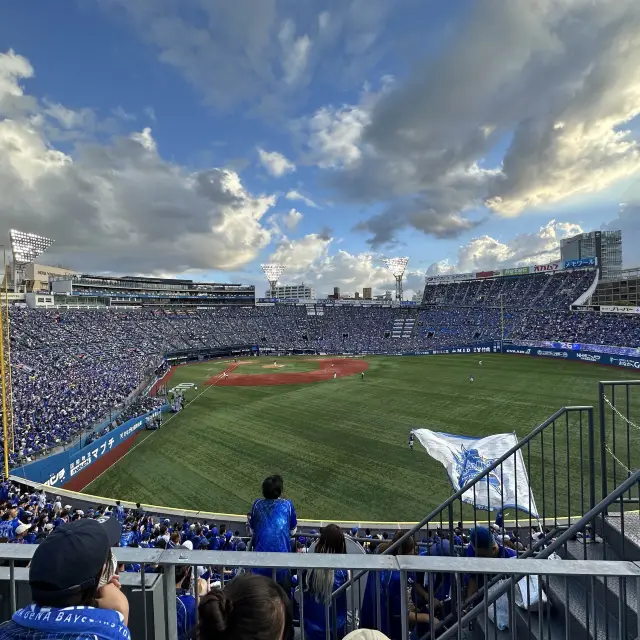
[340, 443]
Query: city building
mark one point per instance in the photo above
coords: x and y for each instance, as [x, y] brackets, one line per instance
[366, 293]
[291, 291]
[623, 291]
[336, 293]
[606, 246]
[36, 277]
[137, 292]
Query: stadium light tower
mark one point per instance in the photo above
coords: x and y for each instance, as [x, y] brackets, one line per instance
[272, 273]
[397, 267]
[25, 248]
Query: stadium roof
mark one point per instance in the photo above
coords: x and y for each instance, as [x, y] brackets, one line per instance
[159, 280]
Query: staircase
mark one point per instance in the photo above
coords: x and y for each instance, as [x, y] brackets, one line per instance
[403, 327]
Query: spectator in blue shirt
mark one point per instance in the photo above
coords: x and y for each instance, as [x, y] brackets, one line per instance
[185, 603]
[483, 545]
[273, 521]
[319, 584]
[119, 512]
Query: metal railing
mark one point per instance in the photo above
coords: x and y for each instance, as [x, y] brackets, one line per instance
[563, 499]
[588, 539]
[619, 433]
[402, 579]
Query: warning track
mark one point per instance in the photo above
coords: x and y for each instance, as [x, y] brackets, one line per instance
[343, 367]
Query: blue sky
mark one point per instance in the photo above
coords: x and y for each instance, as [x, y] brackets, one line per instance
[203, 137]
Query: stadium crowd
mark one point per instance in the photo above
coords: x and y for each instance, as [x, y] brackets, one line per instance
[74, 370]
[63, 534]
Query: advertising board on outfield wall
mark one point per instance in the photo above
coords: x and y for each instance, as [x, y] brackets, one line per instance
[627, 362]
[59, 468]
[618, 309]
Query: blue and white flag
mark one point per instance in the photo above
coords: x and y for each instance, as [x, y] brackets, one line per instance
[466, 458]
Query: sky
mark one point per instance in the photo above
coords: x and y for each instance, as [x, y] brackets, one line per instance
[201, 138]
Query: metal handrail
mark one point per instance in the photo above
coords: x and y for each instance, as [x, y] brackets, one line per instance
[600, 508]
[458, 494]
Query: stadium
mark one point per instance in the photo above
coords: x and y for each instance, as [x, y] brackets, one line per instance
[499, 405]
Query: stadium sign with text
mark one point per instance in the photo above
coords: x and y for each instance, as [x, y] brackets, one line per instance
[545, 268]
[59, 468]
[488, 274]
[454, 277]
[517, 271]
[615, 309]
[582, 262]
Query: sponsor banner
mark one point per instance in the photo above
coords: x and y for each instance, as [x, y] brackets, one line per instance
[615, 309]
[455, 277]
[625, 361]
[546, 268]
[488, 274]
[484, 347]
[57, 469]
[466, 458]
[519, 271]
[578, 264]
[583, 307]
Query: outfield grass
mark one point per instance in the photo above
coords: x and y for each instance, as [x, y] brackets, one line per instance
[341, 445]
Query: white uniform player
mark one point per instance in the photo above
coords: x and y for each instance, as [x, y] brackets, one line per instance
[480, 363]
[471, 378]
[335, 375]
[225, 375]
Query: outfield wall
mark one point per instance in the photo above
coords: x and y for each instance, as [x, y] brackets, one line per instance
[61, 468]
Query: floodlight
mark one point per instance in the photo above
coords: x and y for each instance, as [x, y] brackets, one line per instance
[272, 273]
[397, 267]
[26, 247]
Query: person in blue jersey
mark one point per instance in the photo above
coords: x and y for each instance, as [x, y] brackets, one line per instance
[119, 512]
[391, 596]
[319, 584]
[185, 603]
[483, 545]
[76, 594]
[273, 521]
[9, 523]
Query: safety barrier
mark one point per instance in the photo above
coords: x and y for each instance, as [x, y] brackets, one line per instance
[153, 596]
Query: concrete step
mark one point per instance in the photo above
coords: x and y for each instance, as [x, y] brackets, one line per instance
[608, 591]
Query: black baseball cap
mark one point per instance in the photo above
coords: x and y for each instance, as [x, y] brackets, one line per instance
[70, 558]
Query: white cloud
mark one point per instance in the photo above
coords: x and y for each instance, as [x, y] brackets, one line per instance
[559, 82]
[122, 114]
[299, 255]
[296, 195]
[309, 259]
[150, 112]
[332, 136]
[295, 52]
[484, 252]
[249, 54]
[120, 205]
[291, 219]
[275, 163]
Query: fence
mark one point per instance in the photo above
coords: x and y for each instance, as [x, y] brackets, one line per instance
[153, 596]
[619, 433]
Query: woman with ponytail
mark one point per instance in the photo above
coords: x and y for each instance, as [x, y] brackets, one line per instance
[251, 607]
[319, 584]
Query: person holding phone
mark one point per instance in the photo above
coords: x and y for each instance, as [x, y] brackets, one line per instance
[75, 587]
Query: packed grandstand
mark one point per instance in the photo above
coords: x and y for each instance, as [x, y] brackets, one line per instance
[75, 369]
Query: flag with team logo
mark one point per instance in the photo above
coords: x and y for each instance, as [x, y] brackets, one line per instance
[465, 458]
